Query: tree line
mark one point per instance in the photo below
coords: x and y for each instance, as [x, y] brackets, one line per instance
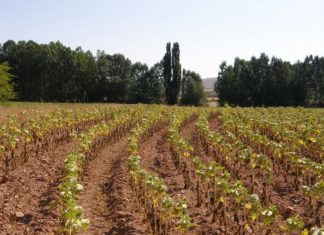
[56, 73]
[272, 82]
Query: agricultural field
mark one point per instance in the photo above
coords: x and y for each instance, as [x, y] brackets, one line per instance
[154, 169]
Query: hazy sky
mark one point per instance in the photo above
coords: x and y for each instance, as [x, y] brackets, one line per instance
[209, 31]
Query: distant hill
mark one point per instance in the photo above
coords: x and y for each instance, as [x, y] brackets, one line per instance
[209, 83]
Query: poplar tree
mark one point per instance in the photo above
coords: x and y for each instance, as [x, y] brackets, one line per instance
[176, 73]
[167, 73]
[172, 73]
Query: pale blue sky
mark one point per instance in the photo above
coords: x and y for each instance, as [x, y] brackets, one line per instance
[209, 31]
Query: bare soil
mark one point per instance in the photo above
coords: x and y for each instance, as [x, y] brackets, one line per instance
[27, 199]
[156, 156]
[108, 199]
[282, 192]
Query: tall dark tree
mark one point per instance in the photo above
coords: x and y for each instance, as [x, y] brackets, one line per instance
[176, 73]
[167, 73]
[172, 73]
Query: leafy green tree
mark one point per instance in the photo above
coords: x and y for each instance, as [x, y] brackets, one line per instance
[80, 87]
[297, 85]
[224, 85]
[101, 80]
[155, 89]
[139, 84]
[1, 50]
[6, 88]
[6, 45]
[264, 82]
[314, 73]
[54, 72]
[239, 95]
[114, 77]
[119, 78]
[193, 89]
[147, 84]
[27, 63]
[281, 76]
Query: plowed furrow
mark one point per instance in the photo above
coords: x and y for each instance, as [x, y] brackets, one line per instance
[156, 156]
[108, 200]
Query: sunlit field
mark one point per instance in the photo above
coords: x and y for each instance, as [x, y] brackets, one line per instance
[79, 168]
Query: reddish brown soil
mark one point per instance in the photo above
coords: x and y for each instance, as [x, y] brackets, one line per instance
[282, 192]
[108, 200]
[156, 156]
[32, 190]
[51, 140]
[215, 122]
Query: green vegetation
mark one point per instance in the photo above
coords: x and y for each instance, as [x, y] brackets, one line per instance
[235, 170]
[192, 89]
[6, 88]
[264, 82]
[56, 73]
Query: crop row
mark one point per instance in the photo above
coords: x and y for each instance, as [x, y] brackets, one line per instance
[167, 214]
[303, 132]
[280, 153]
[20, 140]
[87, 145]
[228, 148]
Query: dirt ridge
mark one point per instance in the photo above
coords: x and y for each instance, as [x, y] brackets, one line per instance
[108, 200]
[156, 157]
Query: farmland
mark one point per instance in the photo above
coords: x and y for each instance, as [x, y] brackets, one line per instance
[155, 169]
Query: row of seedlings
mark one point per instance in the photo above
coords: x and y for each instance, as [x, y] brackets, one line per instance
[87, 146]
[167, 214]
